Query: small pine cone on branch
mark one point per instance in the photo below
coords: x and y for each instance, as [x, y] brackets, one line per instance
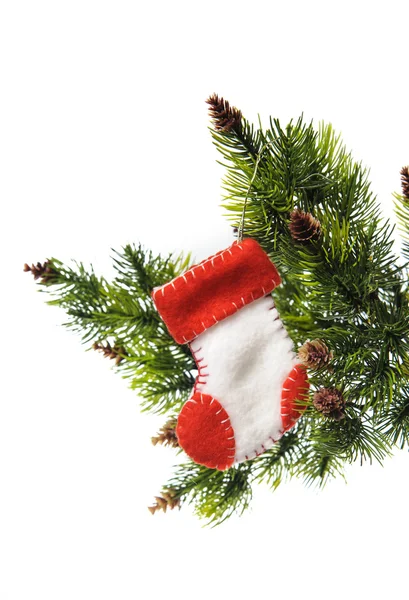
[330, 402]
[45, 271]
[304, 227]
[167, 435]
[315, 354]
[225, 118]
[167, 500]
[116, 352]
[405, 181]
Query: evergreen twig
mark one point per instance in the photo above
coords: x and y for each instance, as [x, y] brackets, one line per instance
[310, 206]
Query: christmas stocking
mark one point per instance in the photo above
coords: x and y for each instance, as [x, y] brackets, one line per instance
[250, 387]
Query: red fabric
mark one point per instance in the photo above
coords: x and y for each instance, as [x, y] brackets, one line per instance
[204, 432]
[215, 289]
[294, 396]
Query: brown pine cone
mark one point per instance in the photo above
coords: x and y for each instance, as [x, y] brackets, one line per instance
[405, 181]
[167, 500]
[167, 435]
[225, 118]
[315, 354]
[330, 402]
[304, 227]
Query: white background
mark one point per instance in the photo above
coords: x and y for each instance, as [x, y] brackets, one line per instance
[104, 141]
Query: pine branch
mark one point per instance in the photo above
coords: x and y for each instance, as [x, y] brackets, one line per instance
[317, 468]
[401, 205]
[161, 374]
[276, 465]
[119, 319]
[353, 438]
[344, 300]
[96, 308]
[139, 271]
[232, 132]
[394, 422]
[215, 495]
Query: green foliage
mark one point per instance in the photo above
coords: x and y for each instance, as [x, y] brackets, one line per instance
[354, 437]
[215, 495]
[317, 467]
[122, 312]
[394, 422]
[346, 288]
[402, 213]
[277, 464]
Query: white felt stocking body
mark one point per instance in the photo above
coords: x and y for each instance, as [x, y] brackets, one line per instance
[243, 362]
[250, 387]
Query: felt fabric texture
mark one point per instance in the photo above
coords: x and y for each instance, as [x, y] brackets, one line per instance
[245, 362]
[205, 433]
[215, 289]
[292, 401]
[250, 386]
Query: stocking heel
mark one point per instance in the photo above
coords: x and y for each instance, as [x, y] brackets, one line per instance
[294, 396]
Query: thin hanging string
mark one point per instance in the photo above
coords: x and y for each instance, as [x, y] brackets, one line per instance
[243, 214]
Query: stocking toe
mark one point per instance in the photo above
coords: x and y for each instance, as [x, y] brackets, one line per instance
[205, 433]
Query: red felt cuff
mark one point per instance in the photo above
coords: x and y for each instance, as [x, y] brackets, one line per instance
[215, 289]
